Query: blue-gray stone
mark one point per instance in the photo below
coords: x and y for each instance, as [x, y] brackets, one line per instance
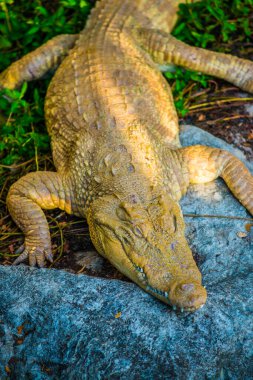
[56, 325]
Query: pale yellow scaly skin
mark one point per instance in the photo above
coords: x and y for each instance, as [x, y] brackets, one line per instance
[114, 131]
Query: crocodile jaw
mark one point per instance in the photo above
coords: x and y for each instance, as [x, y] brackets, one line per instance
[155, 256]
[181, 291]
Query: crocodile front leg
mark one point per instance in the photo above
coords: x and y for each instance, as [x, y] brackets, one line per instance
[25, 201]
[37, 63]
[166, 49]
[206, 164]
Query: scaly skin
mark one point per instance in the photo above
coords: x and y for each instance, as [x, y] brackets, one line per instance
[114, 131]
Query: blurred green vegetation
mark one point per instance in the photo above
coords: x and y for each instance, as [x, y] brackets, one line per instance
[25, 26]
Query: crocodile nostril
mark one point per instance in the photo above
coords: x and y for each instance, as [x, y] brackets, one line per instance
[187, 287]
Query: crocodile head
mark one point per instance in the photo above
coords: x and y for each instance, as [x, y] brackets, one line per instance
[146, 242]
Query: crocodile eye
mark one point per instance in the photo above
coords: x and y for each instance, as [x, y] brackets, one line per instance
[138, 231]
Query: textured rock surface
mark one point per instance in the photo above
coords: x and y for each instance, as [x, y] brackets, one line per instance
[55, 325]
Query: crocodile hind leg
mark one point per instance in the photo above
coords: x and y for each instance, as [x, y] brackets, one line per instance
[206, 164]
[166, 49]
[25, 201]
[36, 64]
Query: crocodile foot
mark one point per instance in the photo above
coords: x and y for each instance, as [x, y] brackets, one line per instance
[35, 255]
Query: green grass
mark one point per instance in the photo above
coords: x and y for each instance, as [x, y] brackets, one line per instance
[211, 24]
[25, 26]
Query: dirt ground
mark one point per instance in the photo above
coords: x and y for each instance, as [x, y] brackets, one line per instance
[221, 109]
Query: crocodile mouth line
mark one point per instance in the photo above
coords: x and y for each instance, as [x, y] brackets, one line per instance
[150, 289]
[158, 292]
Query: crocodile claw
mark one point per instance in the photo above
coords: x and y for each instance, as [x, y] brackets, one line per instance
[35, 255]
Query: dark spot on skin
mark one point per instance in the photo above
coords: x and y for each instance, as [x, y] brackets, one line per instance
[133, 198]
[99, 125]
[96, 104]
[112, 122]
[93, 125]
[173, 245]
[131, 169]
[116, 73]
[121, 148]
[175, 223]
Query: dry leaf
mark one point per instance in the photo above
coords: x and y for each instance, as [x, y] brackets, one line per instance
[201, 117]
[20, 329]
[250, 135]
[241, 234]
[248, 226]
[11, 248]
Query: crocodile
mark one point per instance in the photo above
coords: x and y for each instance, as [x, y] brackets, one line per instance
[115, 141]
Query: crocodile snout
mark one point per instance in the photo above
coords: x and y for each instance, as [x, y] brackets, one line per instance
[187, 296]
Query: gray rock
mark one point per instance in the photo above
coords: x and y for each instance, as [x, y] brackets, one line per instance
[56, 325]
[89, 260]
